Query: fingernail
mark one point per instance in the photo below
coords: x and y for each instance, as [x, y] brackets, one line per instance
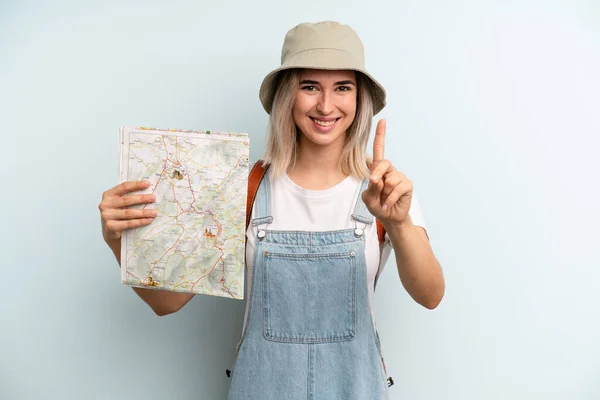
[154, 213]
[385, 207]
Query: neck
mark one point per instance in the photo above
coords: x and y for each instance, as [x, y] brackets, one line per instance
[317, 167]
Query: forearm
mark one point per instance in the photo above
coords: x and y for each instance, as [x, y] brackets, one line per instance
[418, 268]
[162, 302]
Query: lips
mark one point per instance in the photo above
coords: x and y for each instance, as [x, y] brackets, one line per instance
[324, 125]
[324, 122]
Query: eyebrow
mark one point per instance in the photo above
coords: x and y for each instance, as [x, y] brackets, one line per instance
[309, 82]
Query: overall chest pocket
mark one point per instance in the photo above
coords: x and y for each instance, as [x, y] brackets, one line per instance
[309, 298]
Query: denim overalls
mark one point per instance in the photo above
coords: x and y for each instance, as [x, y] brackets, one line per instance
[309, 333]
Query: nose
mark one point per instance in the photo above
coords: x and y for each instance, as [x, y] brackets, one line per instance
[325, 103]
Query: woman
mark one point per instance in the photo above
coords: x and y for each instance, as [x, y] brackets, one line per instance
[313, 255]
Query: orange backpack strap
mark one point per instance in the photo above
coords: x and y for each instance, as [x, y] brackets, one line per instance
[380, 231]
[256, 175]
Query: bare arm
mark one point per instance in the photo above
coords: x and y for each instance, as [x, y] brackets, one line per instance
[388, 198]
[115, 219]
[419, 269]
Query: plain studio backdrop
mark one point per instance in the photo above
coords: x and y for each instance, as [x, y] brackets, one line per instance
[493, 112]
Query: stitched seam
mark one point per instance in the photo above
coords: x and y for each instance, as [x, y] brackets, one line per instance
[317, 48]
[308, 377]
[310, 255]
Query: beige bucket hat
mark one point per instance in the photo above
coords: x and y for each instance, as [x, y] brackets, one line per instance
[322, 45]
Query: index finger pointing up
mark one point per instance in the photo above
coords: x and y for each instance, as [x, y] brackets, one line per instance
[379, 141]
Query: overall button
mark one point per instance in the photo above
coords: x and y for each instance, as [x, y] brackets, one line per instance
[358, 232]
[261, 234]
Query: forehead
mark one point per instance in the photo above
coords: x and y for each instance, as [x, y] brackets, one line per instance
[323, 76]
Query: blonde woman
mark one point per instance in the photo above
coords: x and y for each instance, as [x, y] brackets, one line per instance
[313, 255]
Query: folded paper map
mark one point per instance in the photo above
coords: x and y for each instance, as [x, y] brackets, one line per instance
[200, 179]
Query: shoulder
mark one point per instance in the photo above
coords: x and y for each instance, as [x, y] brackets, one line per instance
[251, 165]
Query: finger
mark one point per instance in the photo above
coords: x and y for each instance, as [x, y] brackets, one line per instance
[391, 180]
[115, 226]
[127, 187]
[400, 190]
[372, 194]
[381, 169]
[129, 213]
[131, 200]
[379, 141]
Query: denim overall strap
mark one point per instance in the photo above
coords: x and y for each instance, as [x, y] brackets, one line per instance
[361, 212]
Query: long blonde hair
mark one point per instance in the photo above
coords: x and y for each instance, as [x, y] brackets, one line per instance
[282, 134]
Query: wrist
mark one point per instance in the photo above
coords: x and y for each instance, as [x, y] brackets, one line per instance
[110, 241]
[395, 225]
[399, 229]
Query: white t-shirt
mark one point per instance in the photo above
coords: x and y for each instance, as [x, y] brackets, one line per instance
[299, 209]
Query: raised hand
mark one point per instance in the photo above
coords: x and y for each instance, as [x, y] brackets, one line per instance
[389, 194]
[116, 217]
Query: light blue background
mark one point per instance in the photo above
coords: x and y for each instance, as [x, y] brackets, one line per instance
[493, 112]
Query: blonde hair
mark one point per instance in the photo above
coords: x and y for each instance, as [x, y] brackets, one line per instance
[282, 134]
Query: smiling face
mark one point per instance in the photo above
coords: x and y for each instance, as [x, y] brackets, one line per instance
[325, 106]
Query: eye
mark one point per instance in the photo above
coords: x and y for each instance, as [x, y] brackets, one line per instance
[344, 88]
[309, 88]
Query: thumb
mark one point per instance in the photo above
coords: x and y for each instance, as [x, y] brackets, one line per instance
[371, 196]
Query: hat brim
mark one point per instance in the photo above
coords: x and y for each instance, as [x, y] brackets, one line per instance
[325, 59]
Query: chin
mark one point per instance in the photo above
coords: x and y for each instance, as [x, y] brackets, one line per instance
[325, 139]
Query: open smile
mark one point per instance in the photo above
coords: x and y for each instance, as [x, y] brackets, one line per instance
[324, 125]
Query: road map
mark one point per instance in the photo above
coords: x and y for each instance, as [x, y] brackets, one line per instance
[200, 179]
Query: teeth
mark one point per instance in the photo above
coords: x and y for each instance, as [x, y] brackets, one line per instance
[325, 123]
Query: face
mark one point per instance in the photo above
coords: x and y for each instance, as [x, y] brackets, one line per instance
[325, 106]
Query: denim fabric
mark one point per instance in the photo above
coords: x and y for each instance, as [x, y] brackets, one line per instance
[309, 332]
